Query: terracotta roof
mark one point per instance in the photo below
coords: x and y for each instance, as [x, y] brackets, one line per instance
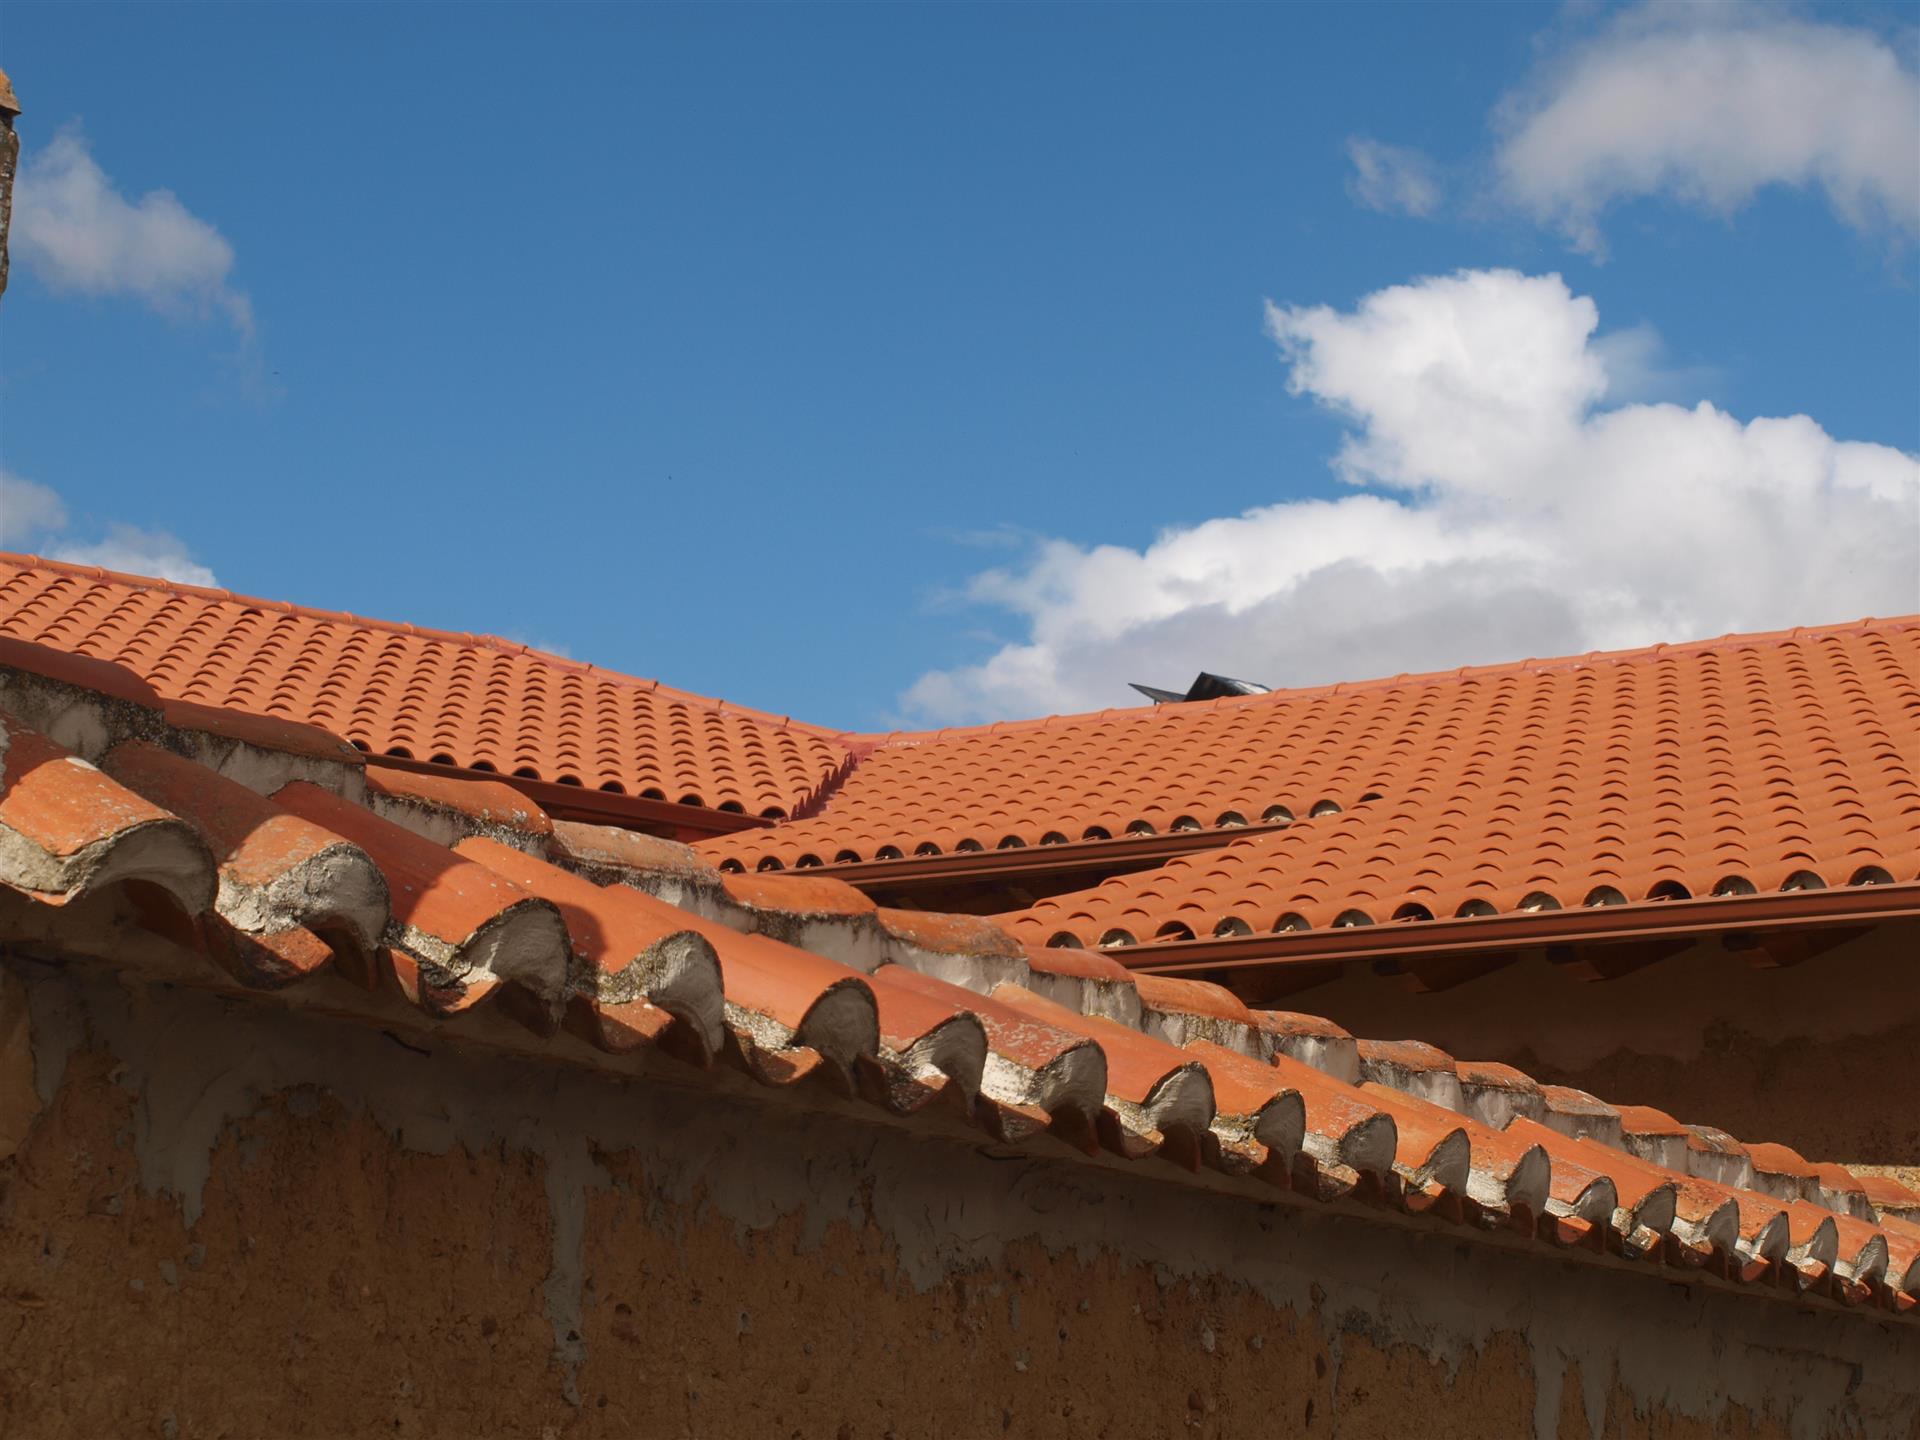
[464, 700]
[1752, 763]
[198, 850]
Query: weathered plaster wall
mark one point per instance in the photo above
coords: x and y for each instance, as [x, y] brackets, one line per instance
[1818, 1055]
[220, 1218]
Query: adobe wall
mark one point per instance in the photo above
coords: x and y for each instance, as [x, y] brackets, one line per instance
[219, 1217]
[1819, 1056]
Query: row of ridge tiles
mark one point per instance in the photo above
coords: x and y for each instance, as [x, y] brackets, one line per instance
[280, 855]
[1754, 763]
[460, 700]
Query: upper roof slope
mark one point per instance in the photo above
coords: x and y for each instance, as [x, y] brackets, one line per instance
[467, 700]
[1745, 760]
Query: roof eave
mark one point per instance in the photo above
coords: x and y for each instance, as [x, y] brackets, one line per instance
[1479, 934]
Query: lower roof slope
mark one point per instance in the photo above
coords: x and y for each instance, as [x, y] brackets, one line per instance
[211, 847]
[471, 701]
[1754, 763]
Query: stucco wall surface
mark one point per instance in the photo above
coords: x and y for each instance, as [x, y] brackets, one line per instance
[1817, 1055]
[218, 1218]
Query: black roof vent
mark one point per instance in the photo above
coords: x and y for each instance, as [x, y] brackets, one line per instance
[1206, 686]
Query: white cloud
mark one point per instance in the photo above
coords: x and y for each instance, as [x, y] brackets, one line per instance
[32, 517]
[1710, 104]
[1506, 510]
[1392, 178]
[26, 510]
[134, 551]
[78, 233]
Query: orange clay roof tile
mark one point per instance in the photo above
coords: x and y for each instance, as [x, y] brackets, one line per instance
[1141, 1071]
[462, 926]
[70, 829]
[626, 972]
[468, 700]
[277, 871]
[628, 946]
[486, 803]
[929, 1027]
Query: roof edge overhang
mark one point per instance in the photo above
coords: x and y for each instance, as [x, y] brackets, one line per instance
[1853, 905]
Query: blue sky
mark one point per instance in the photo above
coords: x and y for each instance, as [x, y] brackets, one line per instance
[733, 345]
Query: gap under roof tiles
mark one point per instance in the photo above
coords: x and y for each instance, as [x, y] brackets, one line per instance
[1750, 764]
[462, 700]
[204, 847]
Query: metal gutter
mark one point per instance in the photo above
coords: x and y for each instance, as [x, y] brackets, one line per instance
[1599, 924]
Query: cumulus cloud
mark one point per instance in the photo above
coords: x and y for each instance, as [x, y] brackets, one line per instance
[1505, 508]
[27, 510]
[75, 230]
[32, 517]
[1392, 178]
[1710, 104]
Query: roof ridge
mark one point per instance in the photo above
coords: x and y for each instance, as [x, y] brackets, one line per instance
[1532, 666]
[401, 627]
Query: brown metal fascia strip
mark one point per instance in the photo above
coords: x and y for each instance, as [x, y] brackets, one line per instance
[598, 807]
[1851, 905]
[1131, 852]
